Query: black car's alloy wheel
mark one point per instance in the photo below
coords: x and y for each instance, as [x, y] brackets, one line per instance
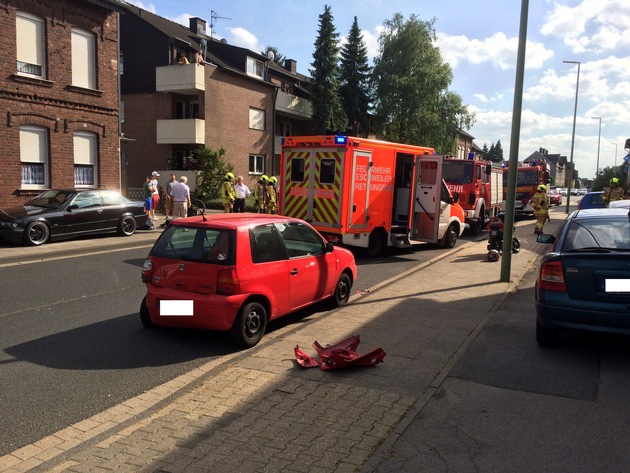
[36, 233]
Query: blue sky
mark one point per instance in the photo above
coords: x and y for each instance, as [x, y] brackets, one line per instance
[479, 40]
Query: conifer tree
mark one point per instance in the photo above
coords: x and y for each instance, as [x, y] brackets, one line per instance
[354, 81]
[328, 115]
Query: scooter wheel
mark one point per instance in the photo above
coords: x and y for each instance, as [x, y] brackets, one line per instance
[516, 245]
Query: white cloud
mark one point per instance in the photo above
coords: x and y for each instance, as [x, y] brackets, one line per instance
[243, 38]
[497, 50]
[150, 7]
[590, 26]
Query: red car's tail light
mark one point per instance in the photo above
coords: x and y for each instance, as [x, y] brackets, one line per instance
[228, 283]
[552, 277]
[147, 271]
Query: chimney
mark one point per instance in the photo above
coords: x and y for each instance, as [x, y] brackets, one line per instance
[290, 65]
[197, 25]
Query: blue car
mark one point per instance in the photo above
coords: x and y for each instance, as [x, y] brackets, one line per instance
[584, 281]
[592, 200]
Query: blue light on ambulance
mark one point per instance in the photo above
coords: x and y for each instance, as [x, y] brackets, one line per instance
[341, 140]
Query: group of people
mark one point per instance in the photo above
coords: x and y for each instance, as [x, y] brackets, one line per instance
[177, 194]
[234, 194]
[182, 59]
[540, 201]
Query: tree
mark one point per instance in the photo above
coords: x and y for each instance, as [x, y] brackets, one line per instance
[486, 153]
[602, 180]
[212, 170]
[413, 104]
[354, 81]
[496, 152]
[278, 57]
[328, 115]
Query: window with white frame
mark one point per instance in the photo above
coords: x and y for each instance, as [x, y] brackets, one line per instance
[257, 119]
[34, 157]
[31, 51]
[85, 159]
[256, 164]
[83, 59]
[254, 67]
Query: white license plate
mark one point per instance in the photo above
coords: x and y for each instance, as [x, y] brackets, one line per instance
[617, 285]
[176, 308]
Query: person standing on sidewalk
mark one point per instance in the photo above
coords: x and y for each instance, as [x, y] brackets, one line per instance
[272, 196]
[241, 193]
[260, 194]
[147, 193]
[169, 199]
[540, 204]
[227, 193]
[181, 198]
[155, 196]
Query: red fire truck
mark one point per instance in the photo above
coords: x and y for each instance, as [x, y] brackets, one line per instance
[368, 193]
[528, 178]
[480, 188]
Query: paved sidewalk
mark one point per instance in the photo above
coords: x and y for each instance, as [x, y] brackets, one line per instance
[258, 411]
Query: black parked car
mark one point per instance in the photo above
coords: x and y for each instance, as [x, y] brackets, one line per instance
[68, 213]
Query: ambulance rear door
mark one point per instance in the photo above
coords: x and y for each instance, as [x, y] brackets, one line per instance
[312, 183]
[427, 189]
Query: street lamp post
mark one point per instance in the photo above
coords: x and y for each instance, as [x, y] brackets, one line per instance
[577, 87]
[599, 137]
[615, 153]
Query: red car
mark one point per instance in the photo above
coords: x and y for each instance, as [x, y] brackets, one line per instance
[236, 272]
[555, 197]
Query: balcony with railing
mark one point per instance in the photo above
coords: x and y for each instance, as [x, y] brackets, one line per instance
[186, 79]
[182, 131]
[294, 106]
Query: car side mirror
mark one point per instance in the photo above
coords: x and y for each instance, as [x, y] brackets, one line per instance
[329, 247]
[546, 238]
[455, 197]
[72, 207]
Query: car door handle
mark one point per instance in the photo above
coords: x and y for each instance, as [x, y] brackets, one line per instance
[293, 272]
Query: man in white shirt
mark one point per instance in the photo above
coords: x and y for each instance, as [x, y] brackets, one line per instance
[181, 198]
[241, 192]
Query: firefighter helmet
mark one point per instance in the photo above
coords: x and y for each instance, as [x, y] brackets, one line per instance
[614, 180]
[273, 180]
[542, 188]
[229, 176]
[493, 255]
[264, 178]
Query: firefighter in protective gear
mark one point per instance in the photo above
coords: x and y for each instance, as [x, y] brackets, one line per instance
[614, 192]
[272, 196]
[260, 194]
[540, 204]
[227, 193]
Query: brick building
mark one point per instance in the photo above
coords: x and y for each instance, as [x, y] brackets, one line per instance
[59, 94]
[239, 100]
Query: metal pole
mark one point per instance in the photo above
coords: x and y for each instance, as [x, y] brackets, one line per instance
[510, 198]
[598, 141]
[577, 87]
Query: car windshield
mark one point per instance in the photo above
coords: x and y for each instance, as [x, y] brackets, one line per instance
[49, 199]
[204, 245]
[597, 234]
